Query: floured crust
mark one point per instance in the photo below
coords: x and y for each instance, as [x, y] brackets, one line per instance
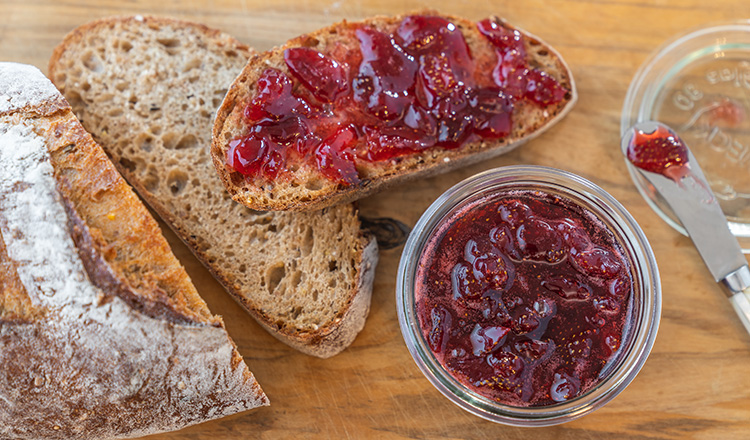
[21, 88]
[114, 384]
[307, 189]
[276, 265]
[85, 353]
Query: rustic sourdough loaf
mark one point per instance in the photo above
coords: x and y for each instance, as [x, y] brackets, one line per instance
[102, 334]
[301, 185]
[147, 89]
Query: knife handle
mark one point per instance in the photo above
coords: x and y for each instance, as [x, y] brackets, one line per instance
[741, 303]
[737, 285]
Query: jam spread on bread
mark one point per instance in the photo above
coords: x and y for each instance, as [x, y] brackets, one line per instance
[392, 95]
[524, 298]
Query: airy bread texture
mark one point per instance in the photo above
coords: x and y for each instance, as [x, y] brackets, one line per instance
[307, 188]
[102, 334]
[147, 88]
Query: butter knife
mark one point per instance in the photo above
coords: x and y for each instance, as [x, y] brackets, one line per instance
[659, 155]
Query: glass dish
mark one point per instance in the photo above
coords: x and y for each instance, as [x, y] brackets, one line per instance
[699, 84]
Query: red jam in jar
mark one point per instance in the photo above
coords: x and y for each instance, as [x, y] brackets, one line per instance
[391, 93]
[524, 297]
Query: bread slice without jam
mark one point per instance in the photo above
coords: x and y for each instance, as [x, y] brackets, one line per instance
[102, 333]
[340, 113]
[147, 88]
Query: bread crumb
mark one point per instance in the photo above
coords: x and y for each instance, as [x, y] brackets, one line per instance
[111, 216]
[446, 159]
[181, 385]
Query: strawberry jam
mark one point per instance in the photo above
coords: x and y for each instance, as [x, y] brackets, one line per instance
[524, 297]
[395, 93]
[661, 152]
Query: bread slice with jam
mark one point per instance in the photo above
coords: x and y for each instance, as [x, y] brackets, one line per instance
[147, 88]
[337, 114]
[102, 333]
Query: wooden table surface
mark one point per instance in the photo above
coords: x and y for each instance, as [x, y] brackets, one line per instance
[695, 384]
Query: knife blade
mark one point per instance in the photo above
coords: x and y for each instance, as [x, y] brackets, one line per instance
[690, 197]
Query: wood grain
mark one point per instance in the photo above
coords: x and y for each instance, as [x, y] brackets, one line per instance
[695, 383]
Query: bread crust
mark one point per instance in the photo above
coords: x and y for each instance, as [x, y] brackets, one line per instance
[325, 340]
[95, 356]
[261, 194]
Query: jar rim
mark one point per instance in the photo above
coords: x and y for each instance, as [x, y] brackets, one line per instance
[601, 204]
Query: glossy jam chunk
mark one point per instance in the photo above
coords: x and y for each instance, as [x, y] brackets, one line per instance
[513, 73]
[524, 298]
[323, 76]
[393, 94]
[661, 152]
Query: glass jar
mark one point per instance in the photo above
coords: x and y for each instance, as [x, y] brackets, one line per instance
[643, 319]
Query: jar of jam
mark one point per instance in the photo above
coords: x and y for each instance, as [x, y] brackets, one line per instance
[528, 296]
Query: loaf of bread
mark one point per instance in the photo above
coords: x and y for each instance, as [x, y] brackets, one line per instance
[102, 334]
[340, 113]
[147, 89]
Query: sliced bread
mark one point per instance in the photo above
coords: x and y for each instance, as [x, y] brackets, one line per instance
[102, 333]
[147, 88]
[342, 112]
